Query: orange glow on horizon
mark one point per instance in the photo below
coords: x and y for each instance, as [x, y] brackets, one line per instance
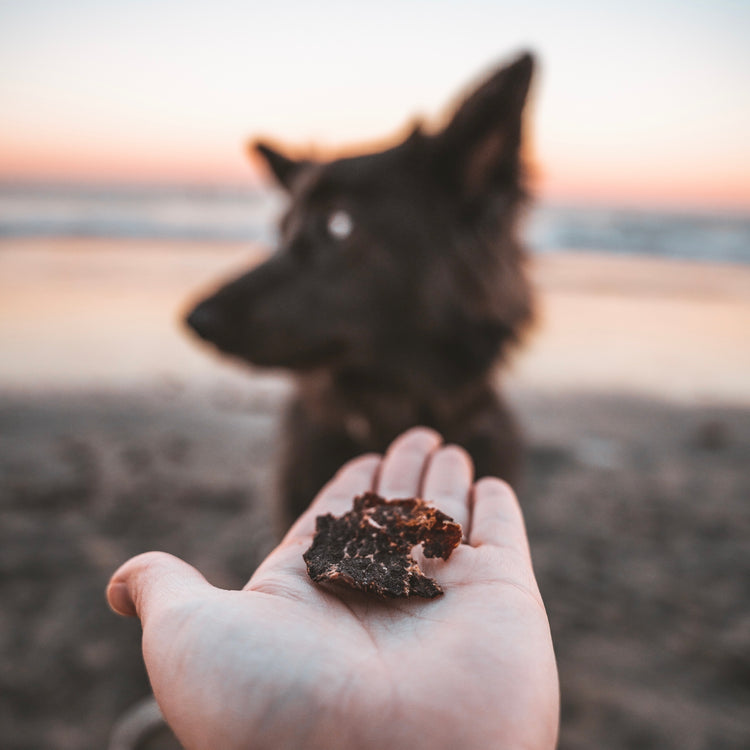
[667, 190]
[557, 182]
[113, 165]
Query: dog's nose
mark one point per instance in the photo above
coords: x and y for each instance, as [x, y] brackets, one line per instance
[205, 320]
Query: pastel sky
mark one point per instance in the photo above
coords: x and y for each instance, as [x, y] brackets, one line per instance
[645, 101]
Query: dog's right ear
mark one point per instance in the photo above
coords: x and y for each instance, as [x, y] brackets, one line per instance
[284, 169]
[478, 151]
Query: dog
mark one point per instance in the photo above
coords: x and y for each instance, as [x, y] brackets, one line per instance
[398, 286]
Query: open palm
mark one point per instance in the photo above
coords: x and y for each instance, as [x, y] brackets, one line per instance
[287, 664]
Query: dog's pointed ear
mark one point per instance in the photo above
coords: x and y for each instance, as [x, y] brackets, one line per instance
[283, 168]
[478, 151]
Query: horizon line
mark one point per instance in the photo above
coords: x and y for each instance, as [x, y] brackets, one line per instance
[596, 197]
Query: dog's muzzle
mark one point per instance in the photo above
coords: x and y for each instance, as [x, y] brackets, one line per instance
[207, 321]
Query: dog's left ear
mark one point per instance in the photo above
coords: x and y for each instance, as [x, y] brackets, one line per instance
[284, 169]
[479, 150]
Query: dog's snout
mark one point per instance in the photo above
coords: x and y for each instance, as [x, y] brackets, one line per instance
[206, 320]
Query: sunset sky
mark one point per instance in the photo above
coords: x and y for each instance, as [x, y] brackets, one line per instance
[646, 101]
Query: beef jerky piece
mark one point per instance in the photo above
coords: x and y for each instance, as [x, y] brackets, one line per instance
[369, 547]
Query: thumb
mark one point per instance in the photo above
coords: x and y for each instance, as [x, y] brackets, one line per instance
[152, 578]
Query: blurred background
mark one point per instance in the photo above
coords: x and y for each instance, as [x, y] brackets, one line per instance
[125, 191]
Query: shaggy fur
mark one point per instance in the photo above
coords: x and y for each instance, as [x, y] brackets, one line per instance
[397, 287]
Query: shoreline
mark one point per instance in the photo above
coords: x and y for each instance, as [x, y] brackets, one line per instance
[106, 314]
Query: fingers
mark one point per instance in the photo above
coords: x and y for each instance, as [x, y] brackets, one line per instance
[353, 479]
[412, 466]
[403, 466]
[447, 483]
[496, 518]
[150, 580]
[397, 475]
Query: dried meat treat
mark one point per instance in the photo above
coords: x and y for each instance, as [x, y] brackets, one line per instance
[369, 547]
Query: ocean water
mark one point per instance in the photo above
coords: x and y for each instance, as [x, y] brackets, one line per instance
[248, 214]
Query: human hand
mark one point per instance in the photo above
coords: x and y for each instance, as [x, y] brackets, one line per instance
[285, 663]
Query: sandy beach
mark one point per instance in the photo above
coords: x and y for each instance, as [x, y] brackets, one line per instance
[95, 313]
[119, 434]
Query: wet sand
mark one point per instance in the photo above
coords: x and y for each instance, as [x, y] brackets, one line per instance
[117, 435]
[92, 313]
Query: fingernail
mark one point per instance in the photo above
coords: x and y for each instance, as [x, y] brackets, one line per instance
[119, 599]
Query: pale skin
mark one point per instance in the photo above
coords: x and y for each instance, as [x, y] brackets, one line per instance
[285, 663]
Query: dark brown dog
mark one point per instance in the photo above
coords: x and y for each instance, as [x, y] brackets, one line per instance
[398, 286]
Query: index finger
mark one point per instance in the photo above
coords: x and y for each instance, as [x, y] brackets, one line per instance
[336, 497]
[404, 464]
[285, 562]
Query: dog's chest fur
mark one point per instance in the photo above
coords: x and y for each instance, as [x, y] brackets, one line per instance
[334, 419]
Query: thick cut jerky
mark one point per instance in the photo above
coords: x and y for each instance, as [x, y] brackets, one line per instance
[369, 547]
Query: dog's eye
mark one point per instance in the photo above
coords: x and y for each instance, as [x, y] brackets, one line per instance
[340, 225]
